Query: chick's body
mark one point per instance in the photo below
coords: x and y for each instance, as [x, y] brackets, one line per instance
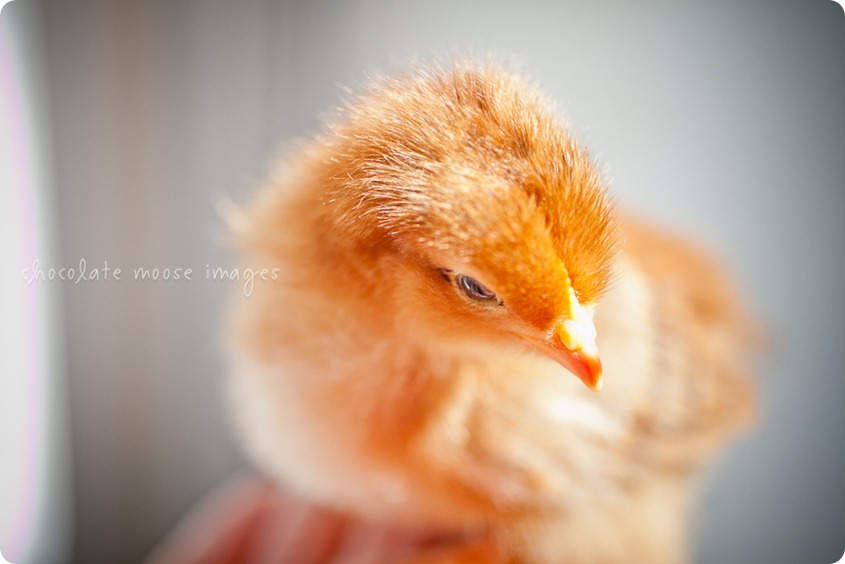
[377, 374]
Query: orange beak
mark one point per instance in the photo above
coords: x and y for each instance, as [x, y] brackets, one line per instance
[583, 361]
[572, 342]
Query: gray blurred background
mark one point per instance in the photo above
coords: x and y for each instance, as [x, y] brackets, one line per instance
[723, 120]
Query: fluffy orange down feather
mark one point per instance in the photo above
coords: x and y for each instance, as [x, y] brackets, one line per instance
[445, 245]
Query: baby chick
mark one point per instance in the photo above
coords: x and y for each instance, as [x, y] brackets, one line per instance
[448, 260]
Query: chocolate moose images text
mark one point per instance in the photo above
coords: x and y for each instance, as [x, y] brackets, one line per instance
[83, 271]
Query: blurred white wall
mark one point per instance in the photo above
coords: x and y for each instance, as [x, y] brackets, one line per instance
[35, 481]
[721, 119]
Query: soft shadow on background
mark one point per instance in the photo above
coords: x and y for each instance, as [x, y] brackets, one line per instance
[722, 120]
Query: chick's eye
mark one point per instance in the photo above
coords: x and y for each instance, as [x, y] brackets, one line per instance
[475, 289]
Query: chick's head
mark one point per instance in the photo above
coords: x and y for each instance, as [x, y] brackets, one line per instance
[493, 221]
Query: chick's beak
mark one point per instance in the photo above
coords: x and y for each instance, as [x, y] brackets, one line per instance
[572, 343]
[581, 357]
